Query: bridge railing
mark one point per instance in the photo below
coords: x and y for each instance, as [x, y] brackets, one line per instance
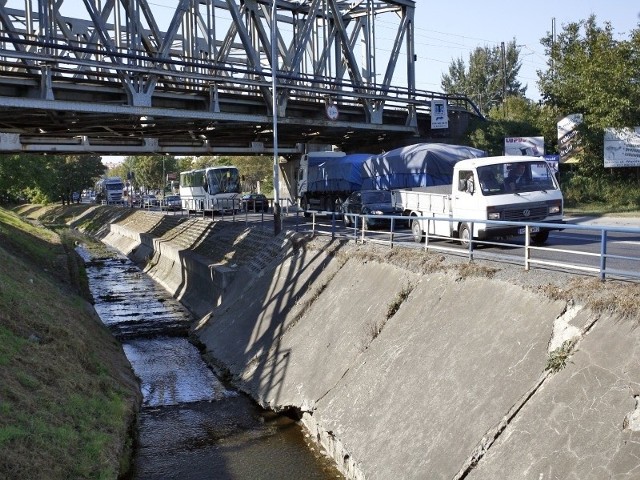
[599, 261]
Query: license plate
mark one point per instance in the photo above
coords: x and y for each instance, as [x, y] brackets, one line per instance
[522, 231]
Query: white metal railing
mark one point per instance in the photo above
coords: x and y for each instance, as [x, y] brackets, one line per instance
[628, 264]
[597, 261]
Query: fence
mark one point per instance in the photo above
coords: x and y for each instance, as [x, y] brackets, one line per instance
[613, 251]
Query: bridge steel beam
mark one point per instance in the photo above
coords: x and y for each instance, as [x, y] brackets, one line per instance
[121, 77]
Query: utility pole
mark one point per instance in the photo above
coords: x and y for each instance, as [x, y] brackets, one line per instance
[276, 167]
[504, 81]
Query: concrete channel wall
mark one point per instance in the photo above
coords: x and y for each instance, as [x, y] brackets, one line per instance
[400, 374]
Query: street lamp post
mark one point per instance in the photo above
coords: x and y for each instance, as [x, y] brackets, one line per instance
[276, 167]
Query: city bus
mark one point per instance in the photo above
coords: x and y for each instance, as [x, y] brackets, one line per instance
[211, 189]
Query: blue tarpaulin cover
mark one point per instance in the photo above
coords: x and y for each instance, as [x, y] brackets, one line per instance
[419, 165]
[336, 174]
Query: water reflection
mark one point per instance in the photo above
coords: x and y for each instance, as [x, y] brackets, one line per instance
[191, 425]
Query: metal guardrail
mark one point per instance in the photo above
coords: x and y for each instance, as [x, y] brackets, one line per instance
[569, 258]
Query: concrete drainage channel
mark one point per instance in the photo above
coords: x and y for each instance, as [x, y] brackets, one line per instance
[191, 425]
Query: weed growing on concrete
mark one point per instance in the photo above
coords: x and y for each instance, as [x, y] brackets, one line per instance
[401, 296]
[558, 358]
[473, 269]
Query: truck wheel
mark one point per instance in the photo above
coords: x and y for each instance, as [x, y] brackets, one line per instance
[464, 235]
[541, 237]
[416, 231]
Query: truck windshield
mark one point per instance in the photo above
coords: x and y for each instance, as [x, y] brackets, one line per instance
[516, 177]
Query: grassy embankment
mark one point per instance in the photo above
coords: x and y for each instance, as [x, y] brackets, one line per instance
[67, 394]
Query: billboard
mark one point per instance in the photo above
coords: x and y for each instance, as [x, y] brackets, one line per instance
[622, 147]
[532, 146]
[439, 115]
[569, 144]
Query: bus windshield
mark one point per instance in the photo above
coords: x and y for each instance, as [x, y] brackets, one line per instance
[223, 180]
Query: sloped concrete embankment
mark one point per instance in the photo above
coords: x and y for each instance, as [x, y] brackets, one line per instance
[403, 375]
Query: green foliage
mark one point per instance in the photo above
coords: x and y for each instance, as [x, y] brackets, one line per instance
[558, 358]
[593, 73]
[489, 78]
[517, 117]
[66, 391]
[45, 179]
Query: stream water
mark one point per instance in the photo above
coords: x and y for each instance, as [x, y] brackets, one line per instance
[191, 425]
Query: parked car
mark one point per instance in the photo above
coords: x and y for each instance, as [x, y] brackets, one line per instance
[255, 202]
[172, 202]
[149, 201]
[371, 202]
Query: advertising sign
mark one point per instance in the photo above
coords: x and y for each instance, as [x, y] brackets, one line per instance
[439, 115]
[569, 143]
[621, 147]
[532, 146]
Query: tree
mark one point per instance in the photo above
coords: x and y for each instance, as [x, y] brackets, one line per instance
[490, 77]
[77, 172]
[150, 171]
[592, 73]
[45, 179]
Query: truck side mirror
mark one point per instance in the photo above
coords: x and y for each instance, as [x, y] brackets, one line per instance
[471, 186]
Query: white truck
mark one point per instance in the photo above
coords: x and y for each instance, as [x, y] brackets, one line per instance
[507, 188]
[110, 190]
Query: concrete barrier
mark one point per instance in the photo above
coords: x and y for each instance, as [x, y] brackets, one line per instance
[402, 374]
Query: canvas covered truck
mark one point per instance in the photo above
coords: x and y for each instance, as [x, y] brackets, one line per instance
[509, 188]
[326, 179]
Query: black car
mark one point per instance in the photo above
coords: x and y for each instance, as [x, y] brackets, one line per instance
[371, 202]
[255, 202]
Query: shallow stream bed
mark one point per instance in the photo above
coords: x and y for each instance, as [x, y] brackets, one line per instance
[191, 425]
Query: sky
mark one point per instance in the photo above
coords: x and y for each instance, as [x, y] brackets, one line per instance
[447, 30]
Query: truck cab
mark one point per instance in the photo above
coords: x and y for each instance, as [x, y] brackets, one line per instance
[508, 188]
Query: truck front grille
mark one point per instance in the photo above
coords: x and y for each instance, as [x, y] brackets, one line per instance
[528, 213]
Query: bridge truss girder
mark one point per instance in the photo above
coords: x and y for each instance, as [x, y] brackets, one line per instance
[114, 76]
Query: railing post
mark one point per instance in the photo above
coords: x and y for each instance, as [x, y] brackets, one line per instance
[527, 250]
[426, 234]
[603, 254]
[313, 223]
[333, 225]
[355, 228]
[471, 241]
[391, 236]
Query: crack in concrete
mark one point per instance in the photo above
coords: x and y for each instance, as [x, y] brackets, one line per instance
[562, 331]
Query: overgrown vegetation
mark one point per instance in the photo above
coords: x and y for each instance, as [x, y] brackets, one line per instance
[614, 298]
[558, 358]
[67, 393]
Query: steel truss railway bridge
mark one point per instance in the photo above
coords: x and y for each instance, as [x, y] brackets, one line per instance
[132, 77]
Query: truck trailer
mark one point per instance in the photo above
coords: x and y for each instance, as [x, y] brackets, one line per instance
[509, 188]
[326, 179]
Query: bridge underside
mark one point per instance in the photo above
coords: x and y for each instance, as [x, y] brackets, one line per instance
[123, 78]
[95, 118]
